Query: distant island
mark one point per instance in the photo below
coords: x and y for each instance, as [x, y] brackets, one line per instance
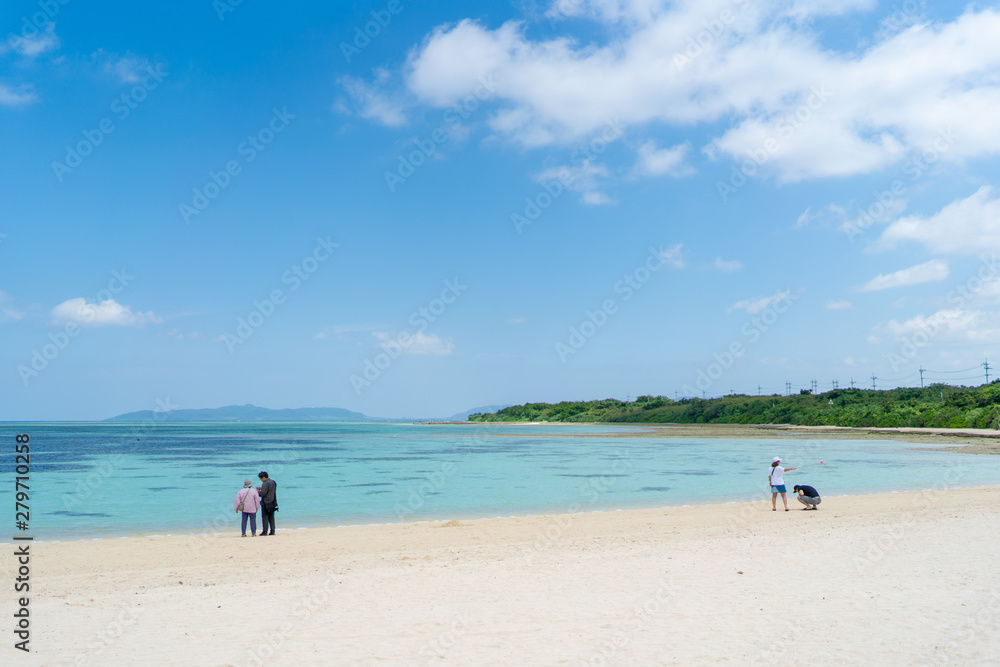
[245, 413]
[253, 413]
[936, 406]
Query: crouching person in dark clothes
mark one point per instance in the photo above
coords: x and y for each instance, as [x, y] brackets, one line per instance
[808, 496]
[268, 491]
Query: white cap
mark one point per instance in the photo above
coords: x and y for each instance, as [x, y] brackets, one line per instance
[776, 459]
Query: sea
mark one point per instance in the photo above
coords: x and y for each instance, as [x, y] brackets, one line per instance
[90, 480]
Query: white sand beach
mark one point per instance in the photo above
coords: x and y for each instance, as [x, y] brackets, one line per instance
[887, 579]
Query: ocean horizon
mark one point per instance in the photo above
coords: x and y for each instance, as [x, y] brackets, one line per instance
[105, 479]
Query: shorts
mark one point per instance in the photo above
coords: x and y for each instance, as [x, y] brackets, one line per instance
[779, 489]
[809, 500]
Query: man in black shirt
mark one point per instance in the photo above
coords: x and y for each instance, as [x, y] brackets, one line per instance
[808, 496]
[268, 502]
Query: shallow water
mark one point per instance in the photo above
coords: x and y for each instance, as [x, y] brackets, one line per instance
[95, 479]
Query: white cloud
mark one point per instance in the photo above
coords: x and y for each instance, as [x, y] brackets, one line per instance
[932, 271]
[586, 178]
[759, 303]
[105, 313]
[372, 101]
[595, 198]
[830, 215]
[873, 212]
[15, 98]
[944, 326]
[969, 226]
[672, 256]
[7, 312]
[653, 161]
[37, 44]
[608, 11]
[515, 321]
[727, 266]
[838, 305]
[128, 69]
[418, 343]
[805, 9]
[806, 109]
[343, 331]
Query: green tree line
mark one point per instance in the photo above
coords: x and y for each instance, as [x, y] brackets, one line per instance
[939, 405]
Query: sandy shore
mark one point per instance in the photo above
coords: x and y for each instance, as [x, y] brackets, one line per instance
[973, 440]
[889, 579]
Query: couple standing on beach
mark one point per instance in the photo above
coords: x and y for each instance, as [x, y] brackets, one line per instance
[807, 495]
[248, 499]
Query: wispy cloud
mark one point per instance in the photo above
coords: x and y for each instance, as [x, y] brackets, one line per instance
[586, 178]
[7, 311]
[31, 46]
[419, 343]
[726, 266]
[104, 313]
[342, 331]
[823, 216]
[969, 226]
[758, 303]
[371, 100]
[953, 325]
[838, 305]
[673, 256]
[653, 161]
[931, 271]
[15, 98]
[129, 69]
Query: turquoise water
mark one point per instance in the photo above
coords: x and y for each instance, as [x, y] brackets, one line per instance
[99, 479]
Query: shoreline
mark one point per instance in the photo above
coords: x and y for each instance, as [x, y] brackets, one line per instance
[452, 520]
[978, 441]
[201, 533]
[646, 586]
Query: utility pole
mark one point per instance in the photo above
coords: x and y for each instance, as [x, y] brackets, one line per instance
[922, 371]
[814, 386]
[758, 390]
[852, 383]
[986, 365]
[873, 382]
[836, 385]
[788, 388]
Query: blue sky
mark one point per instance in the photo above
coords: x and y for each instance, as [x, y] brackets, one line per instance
[212, 204]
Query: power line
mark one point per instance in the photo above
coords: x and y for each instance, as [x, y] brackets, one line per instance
[963, 370]
[895, 379]
[947, 380]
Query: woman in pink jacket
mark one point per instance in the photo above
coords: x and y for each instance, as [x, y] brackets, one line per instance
[247, 501]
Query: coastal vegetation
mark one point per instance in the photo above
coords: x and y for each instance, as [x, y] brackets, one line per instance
[938, 406]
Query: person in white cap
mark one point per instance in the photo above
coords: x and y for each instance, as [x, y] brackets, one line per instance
[777, 482]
